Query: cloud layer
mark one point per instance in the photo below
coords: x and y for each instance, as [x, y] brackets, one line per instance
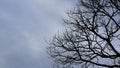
[24, 25]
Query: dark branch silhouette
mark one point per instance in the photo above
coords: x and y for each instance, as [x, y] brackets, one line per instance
[92, 38]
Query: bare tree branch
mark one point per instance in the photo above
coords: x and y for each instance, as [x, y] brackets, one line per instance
[91, 39]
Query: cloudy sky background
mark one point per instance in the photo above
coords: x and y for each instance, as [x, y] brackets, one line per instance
[24, 26]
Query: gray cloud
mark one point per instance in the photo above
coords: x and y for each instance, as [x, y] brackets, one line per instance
[24, 24]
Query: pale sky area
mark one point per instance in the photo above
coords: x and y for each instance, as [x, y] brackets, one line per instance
[24, 26]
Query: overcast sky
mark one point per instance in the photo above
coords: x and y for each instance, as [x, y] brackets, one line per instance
[24, 26]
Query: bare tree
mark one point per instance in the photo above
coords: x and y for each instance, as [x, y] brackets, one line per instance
[92, 38]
